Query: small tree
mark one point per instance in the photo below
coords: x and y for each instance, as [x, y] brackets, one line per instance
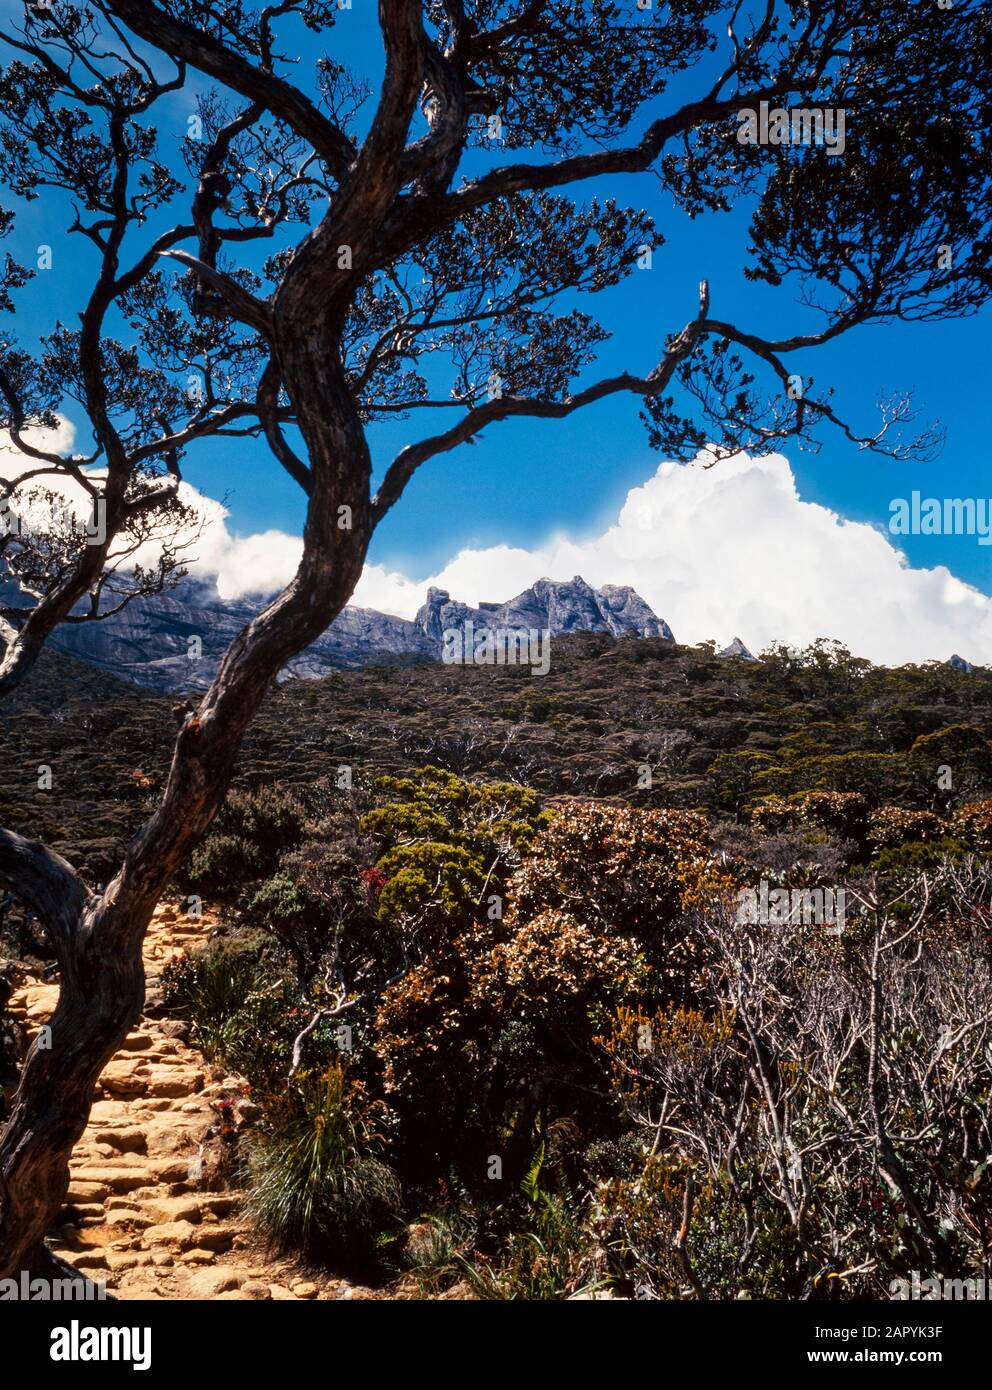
[400, 240]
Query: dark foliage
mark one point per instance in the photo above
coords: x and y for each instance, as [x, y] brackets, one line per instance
[719, 735]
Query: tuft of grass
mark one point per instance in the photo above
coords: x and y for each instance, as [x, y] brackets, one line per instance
[241, 1015]
[315, 1184]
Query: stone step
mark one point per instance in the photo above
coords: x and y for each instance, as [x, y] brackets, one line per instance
[74, 1212]
[126, 1219]
[172, 1083]
[85, 1193]
[134, 1217]
[162, 1210]
[108, 1179]
[131, 1140]
[123, 1077]
[127, 1259]
[84, 1259]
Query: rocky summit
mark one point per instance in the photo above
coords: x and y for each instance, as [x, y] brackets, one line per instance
[548, 606]
[174, 641]
[736, 650]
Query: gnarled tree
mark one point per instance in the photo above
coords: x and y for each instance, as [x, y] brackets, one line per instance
[401, 235]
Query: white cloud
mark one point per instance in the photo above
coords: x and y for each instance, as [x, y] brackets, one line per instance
[58, 441]
[733, 550]
[718, 552]
[255, 564]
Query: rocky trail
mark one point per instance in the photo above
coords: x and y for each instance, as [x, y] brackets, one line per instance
[139, 1215]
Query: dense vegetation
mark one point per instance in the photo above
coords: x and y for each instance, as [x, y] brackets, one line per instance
[717, 735]
[491, 988]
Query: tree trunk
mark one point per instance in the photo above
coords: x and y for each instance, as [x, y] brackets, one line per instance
[102, 992]
[98, 940]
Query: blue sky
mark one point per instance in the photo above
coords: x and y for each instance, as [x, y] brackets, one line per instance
[525, 480]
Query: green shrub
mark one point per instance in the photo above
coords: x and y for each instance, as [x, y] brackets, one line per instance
[445, 876]
[961, 749]
[916, 857]
[317, 892]
[443, 841]
[272, 820]
[841, 813]
[222, 863]
[205, 987]
[541, 1262]
[251, 832]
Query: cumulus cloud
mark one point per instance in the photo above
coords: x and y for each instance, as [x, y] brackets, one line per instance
[718, 552]
[733, 550]
[57, 441]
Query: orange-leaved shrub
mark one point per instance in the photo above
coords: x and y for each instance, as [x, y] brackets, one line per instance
[892, 826]
[844, 814]
[774, 815]
[973, 824]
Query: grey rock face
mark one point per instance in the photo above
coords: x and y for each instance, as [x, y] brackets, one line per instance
[549, 605]
[737, 649]
[627, 612]
[440, 613]
[174, 642]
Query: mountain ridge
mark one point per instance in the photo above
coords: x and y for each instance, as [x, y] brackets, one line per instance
[172, 643]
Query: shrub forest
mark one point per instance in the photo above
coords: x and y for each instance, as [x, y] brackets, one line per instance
[484, 966]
